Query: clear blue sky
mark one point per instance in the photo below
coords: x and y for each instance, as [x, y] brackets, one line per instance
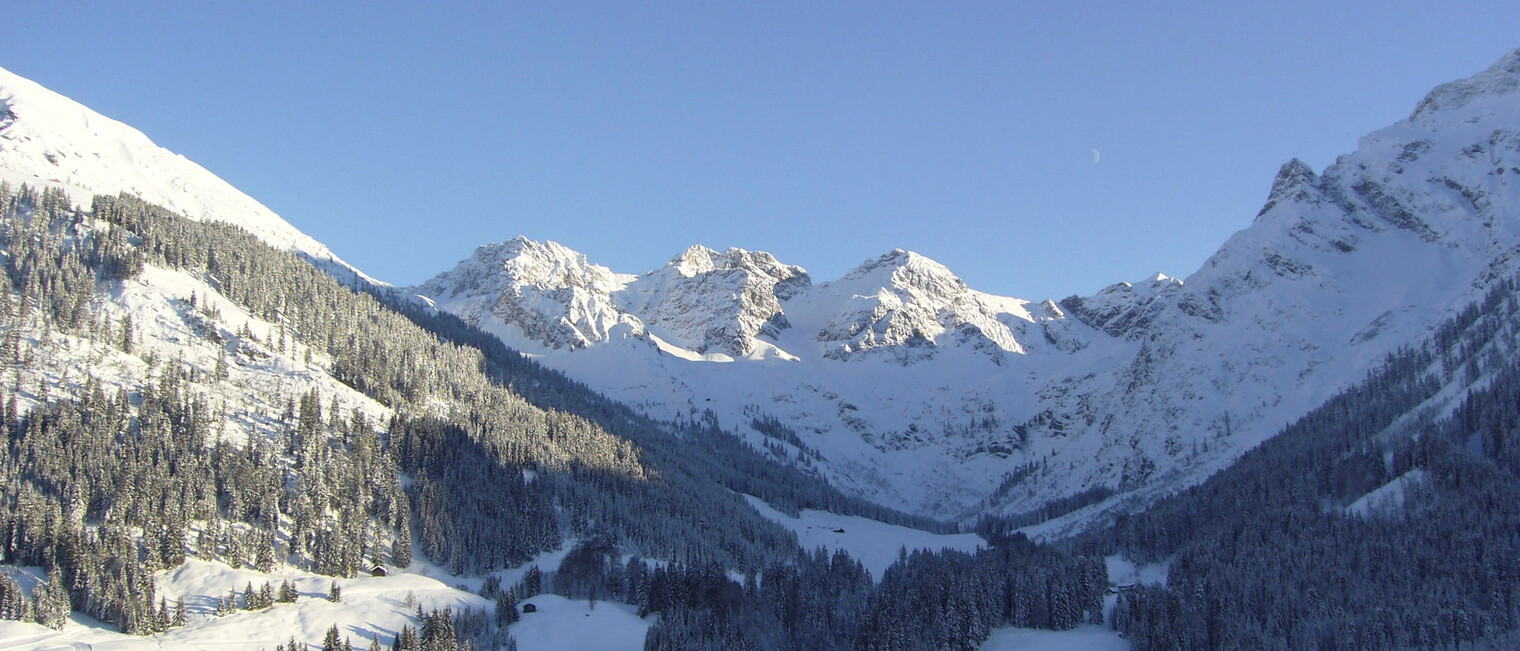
[405, 134]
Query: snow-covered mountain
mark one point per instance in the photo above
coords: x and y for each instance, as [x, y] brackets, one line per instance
[1337, 270]
[49, 139]
[726, 302]
[899, 381]
[903, 384]
[552, 293]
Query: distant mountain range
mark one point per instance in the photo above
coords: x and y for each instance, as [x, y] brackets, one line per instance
[905, 385]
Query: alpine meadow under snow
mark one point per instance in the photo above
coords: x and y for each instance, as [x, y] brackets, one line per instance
[218, 433]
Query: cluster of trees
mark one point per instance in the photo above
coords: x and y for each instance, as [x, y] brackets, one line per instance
[953, 600]
[49, 604]
[926, 600]
[445, 630]
[263, 597]
[1265, 555]
[475, 511]
[990, 526]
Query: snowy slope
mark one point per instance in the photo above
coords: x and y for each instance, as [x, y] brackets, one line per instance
[48, 138]
[372, 608]
[895, 378]
[1087, 637]
[906, 386]
[876, 545]
[1337, 270]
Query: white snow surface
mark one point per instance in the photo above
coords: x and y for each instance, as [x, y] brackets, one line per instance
[1388, 499]
[909, 388]
[875, 544]
[1087, 637]
[50, 139]
[563, 624]
[371, 607]
[1122, 571]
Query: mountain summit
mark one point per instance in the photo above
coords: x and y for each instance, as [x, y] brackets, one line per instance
[921, 392]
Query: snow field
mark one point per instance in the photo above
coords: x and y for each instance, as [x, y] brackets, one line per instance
[875, 544]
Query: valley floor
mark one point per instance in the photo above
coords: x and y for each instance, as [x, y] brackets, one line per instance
[875, 544]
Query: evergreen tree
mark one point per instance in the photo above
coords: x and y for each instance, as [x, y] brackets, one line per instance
[52, 601]
[506, 608]
[332, 641]
[406, 640]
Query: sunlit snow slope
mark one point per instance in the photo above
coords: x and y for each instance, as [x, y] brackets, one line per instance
[900, 383]
[46, 137]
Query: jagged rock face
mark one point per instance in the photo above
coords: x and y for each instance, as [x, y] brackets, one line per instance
[718, 302]
[909, 305]
[894, 301]
[901, 306]
[553, 294]
[1123, 309]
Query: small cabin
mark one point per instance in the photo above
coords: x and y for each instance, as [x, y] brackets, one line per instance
[529, 608]
[378, 570]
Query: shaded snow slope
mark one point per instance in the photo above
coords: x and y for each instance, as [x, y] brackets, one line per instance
[1389, 498]
[1087, 637]
[876, 545]
[50, 138]
[900, 383]
[567, 625]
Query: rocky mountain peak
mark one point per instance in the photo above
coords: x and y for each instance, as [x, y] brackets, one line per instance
[1501, 78]
[699, 260]
[907, 270]
[695, 260]
[1124, 309]
[1295, 181]
[911, 305]
[718, 302]
[551, 265]
[552, 293]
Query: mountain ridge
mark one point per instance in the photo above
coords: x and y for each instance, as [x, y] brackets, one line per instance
[46, 137]
[1142, 386]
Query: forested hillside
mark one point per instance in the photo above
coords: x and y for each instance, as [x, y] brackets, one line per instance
[1387, 518]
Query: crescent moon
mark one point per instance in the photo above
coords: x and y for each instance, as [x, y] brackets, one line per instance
[1096, 157]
